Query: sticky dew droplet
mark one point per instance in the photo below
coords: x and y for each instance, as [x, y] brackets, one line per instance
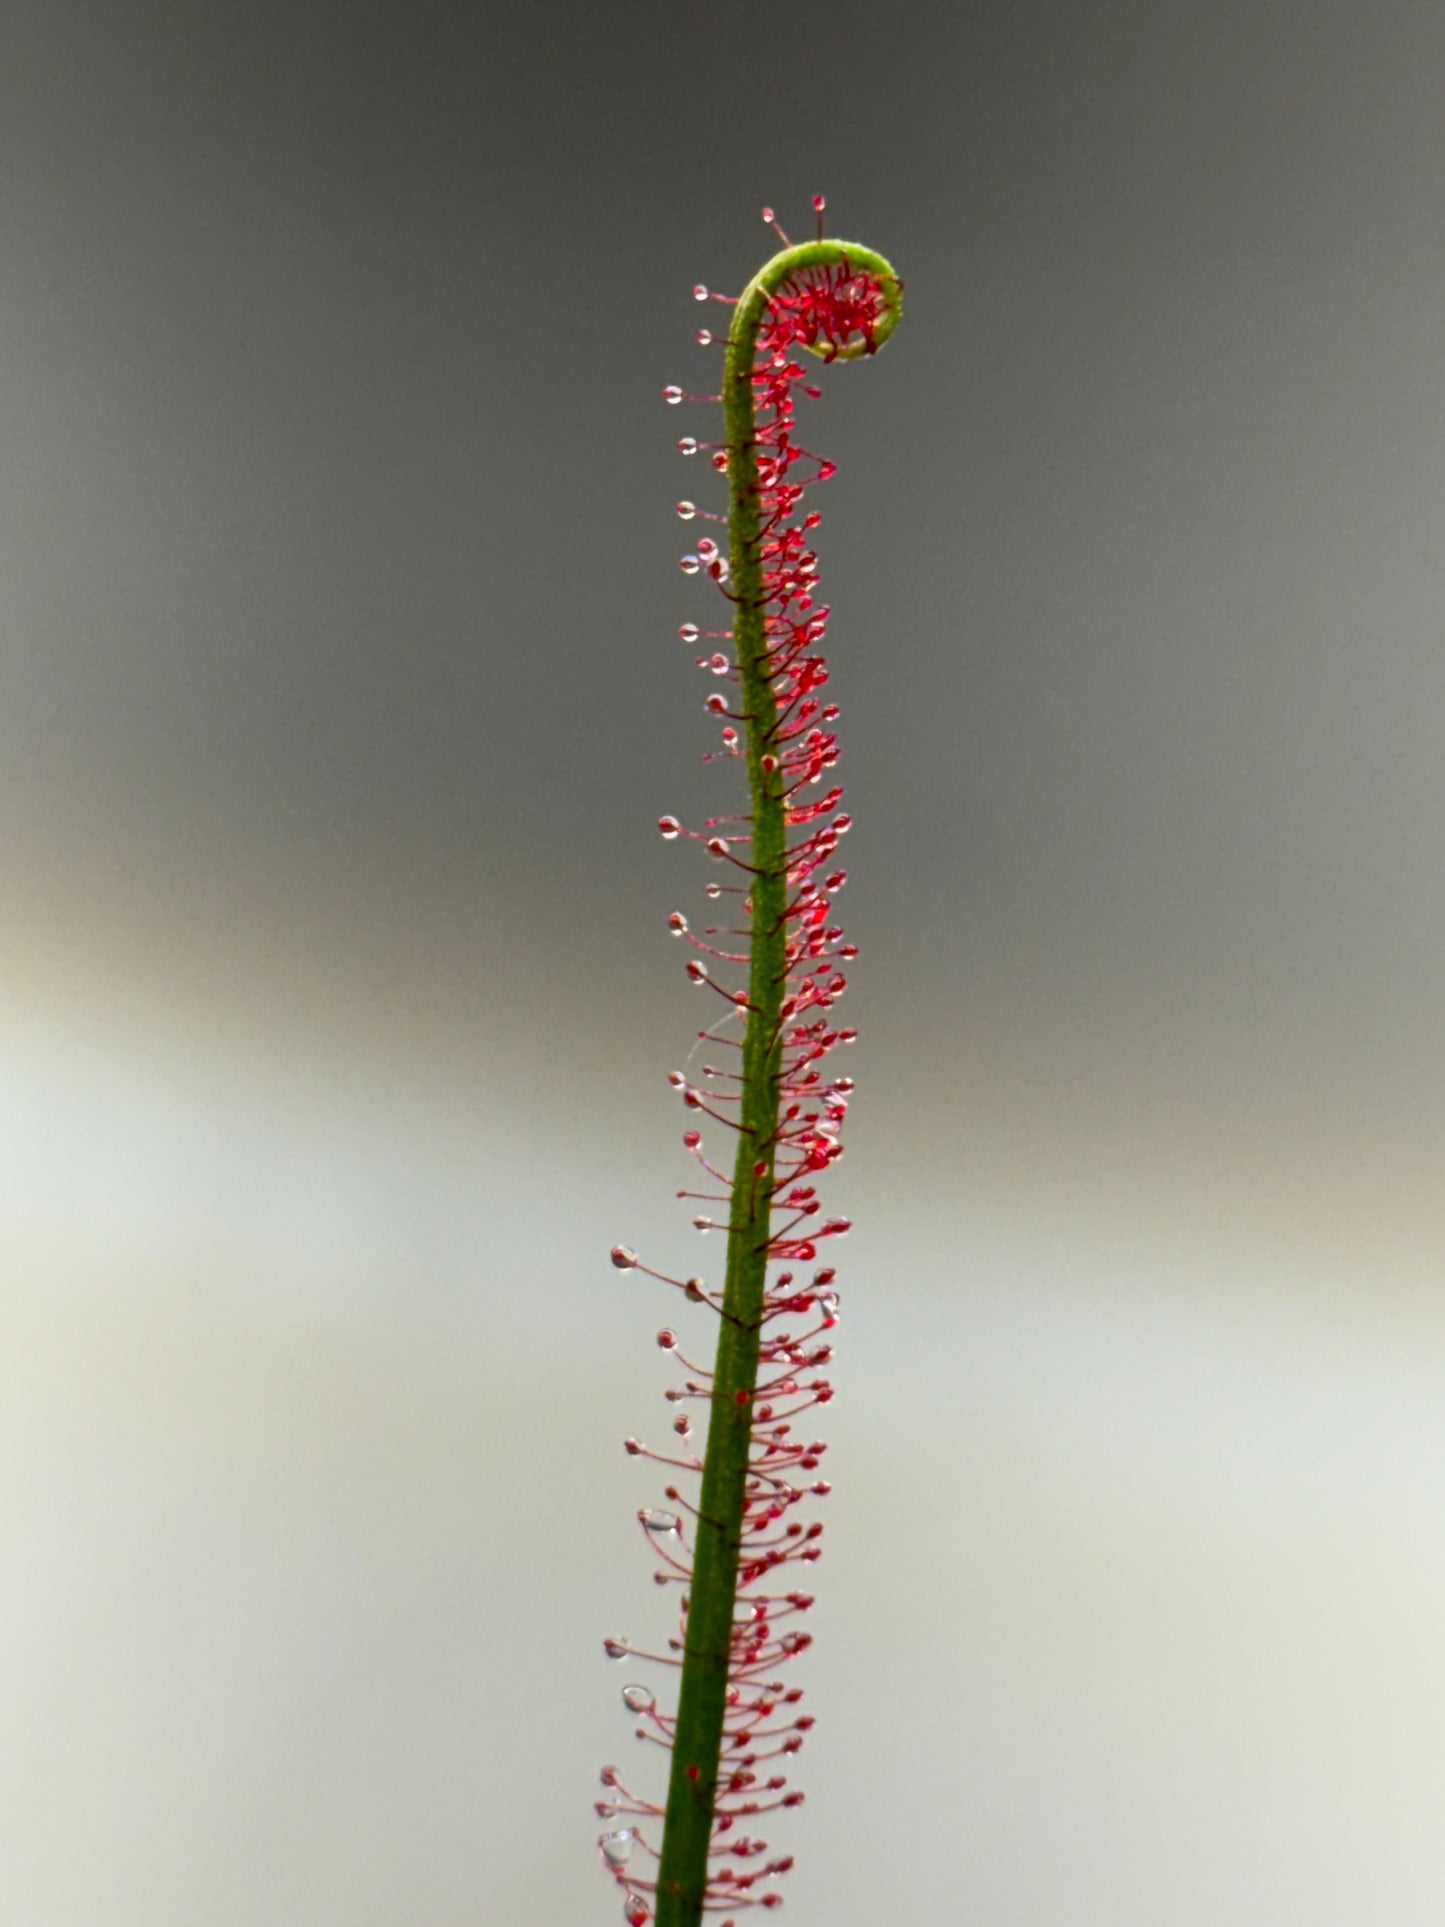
[617, 1846]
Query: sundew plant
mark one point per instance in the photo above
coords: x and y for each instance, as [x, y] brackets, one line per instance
[765, 1114]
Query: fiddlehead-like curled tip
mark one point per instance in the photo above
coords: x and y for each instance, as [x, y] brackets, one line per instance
[845, 299]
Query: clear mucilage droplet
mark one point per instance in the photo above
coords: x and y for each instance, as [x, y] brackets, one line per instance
[638, 1699]
[687, 510]
[699, 292]
[690, 564]
[616, 1648]
[687, 446]
[655, 1519]
[617, 1846]
[672, 395]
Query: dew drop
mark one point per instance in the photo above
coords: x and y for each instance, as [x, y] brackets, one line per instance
[657, 1520]
[635, 1911]
[672, 396]
[687, 510]
[704, 337]
[716, 706]
[692, 1140]
[717, 845]
[695, 1289]
[617, 1846]
[699, 292]
[697, 970]
[712, 890]
[719, 664]
[677, 1080]
[677, 924]
[667, 1339]
[690, 564]
[689, 632]
[638, 1699]
[768, 216]
[707, 549]
[687, 446]
[624, 1257]
[610, 1776]
[669, 827]
[616, 1648]
[720, 461]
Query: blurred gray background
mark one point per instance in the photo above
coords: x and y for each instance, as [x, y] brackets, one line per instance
[338, 598]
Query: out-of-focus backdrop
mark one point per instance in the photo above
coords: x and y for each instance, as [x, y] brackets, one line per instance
[341, 690]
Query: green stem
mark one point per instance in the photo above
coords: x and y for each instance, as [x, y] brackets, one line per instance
[692, 1790]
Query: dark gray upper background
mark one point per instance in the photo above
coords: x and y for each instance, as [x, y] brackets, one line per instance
[338, 584]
